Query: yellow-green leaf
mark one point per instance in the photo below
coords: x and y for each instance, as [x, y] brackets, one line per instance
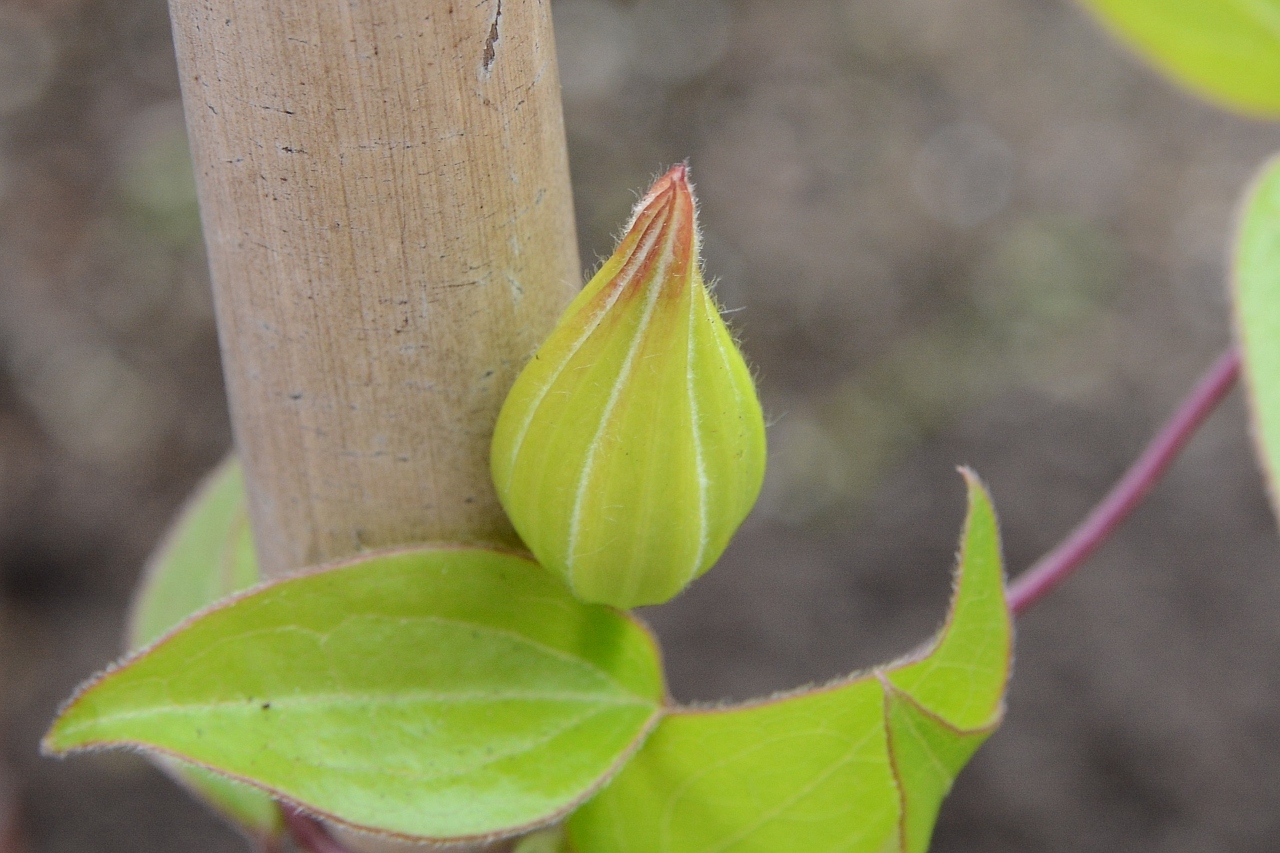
[1257, 312]
[1226, 50]
[206, 556]
[439, 693]
[859, 766]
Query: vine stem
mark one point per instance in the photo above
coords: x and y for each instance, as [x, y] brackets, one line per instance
[1051, 569]
[1057, 565]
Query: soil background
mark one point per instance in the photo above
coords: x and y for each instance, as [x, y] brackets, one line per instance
[976, 233]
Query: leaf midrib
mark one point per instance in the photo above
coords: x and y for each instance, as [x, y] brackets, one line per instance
[323, 637]
[409, 697]
[522, 747]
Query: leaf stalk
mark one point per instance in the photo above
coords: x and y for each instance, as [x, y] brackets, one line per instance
[309, 834]
[1057, 565]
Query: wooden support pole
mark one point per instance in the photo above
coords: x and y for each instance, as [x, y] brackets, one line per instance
[385, 194]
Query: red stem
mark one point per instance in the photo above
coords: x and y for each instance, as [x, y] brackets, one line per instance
[270, 844]
[1056, 566]
[309, 833]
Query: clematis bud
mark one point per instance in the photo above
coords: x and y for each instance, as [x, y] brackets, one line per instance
[632, 445]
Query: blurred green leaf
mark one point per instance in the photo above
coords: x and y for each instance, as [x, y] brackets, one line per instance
[546, 841]
[157, 182]
[440, 693]
[207, 555]
[1226, 50]
[859, 765]
[1257, 310]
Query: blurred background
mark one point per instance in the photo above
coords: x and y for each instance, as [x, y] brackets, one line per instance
[948, 233]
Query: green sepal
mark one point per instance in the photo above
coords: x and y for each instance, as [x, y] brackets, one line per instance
[857, 766]
[436, 693]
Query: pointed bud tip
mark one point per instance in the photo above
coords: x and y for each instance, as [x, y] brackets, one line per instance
[674, 182]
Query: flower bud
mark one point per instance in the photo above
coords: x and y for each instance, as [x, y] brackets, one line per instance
[632, 445]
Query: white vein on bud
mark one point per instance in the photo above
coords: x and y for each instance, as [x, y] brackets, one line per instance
[620, 285]
[651, 300]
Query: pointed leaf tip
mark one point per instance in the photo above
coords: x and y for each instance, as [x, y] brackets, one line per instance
[859, 766]
[962, 676]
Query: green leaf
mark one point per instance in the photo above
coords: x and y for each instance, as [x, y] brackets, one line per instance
[440, 693]
[858, 765]
[1226, 50]
[1257, 313]
[250, 809]
[207, 555]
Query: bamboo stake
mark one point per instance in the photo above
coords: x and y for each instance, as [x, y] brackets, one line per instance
[386, 204]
